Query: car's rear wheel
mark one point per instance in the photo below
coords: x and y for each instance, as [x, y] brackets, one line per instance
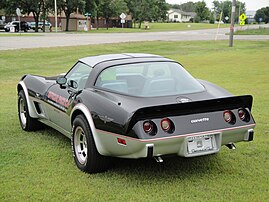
[85, 153]
[27, 123]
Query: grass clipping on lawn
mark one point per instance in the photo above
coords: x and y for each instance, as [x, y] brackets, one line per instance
[39, 165]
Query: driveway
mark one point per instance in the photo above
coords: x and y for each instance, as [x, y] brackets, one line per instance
[71, 39]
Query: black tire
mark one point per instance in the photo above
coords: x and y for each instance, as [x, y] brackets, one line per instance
[27, 123]
[85, 153]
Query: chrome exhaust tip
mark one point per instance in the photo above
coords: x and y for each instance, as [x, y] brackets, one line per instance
[158, 159]
[231, 146]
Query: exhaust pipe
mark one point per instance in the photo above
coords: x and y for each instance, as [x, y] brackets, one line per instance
[231, 146]
[158, 159]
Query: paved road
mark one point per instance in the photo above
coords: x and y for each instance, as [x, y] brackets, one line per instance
[69, 39]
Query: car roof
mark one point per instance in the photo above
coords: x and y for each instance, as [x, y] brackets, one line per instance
[94, 60]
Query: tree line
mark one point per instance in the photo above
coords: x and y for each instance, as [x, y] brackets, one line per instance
[221, 10]
[140, 10]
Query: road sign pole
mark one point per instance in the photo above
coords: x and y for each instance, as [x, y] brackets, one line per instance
[122, 16]
[232, 24]
[18, 12]
[55, 15]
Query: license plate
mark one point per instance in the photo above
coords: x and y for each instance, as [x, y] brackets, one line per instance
[200, 143]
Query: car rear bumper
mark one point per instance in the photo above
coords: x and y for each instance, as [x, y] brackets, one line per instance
[111, 144]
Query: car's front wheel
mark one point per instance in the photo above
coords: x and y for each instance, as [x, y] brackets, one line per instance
[85, 153]
[27, 123]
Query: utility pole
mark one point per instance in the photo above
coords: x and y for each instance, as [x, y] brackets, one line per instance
[239, 13]
[55, 10]
[231, 38]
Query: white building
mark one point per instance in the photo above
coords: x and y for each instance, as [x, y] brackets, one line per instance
[176, 15]
[250, 16]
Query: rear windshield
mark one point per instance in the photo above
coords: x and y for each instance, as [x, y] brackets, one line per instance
[149, 79]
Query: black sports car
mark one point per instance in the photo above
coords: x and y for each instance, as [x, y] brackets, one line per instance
[134, 106]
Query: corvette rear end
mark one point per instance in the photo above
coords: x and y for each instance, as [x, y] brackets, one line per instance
[185, 129]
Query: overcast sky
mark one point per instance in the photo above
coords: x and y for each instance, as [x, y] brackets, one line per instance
[250, 4]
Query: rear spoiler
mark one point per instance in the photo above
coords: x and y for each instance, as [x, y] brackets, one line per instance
[220, 104]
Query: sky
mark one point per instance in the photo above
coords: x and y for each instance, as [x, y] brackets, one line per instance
[250, 4]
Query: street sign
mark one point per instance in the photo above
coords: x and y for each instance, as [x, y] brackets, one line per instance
[242, 22]
[243, 16]
[122, 16]
[227, 18]
[260, 19]
[87, 14]
[18, 12]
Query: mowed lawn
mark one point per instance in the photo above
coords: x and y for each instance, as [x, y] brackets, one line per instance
[38, 166]
[161, 27]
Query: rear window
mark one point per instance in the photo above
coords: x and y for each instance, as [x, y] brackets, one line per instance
[148, 79]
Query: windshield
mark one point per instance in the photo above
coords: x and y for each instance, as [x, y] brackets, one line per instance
[149, 79]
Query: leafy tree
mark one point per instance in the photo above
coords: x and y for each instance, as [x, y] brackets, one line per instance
[93, 7]
[226, 8]
[26, 6]
[161, 10]
[188, 7]
[112, 8]
[174, 6]
[70, 6]
[147, 10]
[202, 12]
[262, 13]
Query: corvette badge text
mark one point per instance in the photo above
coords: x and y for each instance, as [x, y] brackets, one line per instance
[200, 120]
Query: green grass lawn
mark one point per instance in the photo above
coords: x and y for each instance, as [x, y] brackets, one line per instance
[37, 166]
[260, 31]
[160, 27]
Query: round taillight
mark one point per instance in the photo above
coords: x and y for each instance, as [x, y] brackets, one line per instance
[244, 115]
[166, 124]
[229, 116]
[148, 126]
[241, 114]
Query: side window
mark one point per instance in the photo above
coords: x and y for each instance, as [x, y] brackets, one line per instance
[78, 76]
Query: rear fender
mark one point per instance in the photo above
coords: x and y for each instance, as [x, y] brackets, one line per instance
[85, 111]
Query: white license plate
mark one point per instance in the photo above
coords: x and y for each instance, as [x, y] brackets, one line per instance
[200, 143]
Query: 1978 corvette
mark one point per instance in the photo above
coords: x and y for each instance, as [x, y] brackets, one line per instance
[134, 106]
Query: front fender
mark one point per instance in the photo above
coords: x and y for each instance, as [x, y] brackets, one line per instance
[31, 108]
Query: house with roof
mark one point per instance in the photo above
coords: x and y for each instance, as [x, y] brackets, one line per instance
[176, 15]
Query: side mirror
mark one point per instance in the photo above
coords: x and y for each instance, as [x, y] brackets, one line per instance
[61, 80]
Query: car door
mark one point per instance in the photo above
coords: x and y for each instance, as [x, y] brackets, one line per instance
[61, 97]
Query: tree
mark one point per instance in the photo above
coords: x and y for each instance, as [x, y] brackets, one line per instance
[112, 8]
[147, 10]
[188, 7]
[226, 8]
[202, 12]
[26, 6]
[161, 10]
[70, 6]
[262, 13]
[133, 9]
